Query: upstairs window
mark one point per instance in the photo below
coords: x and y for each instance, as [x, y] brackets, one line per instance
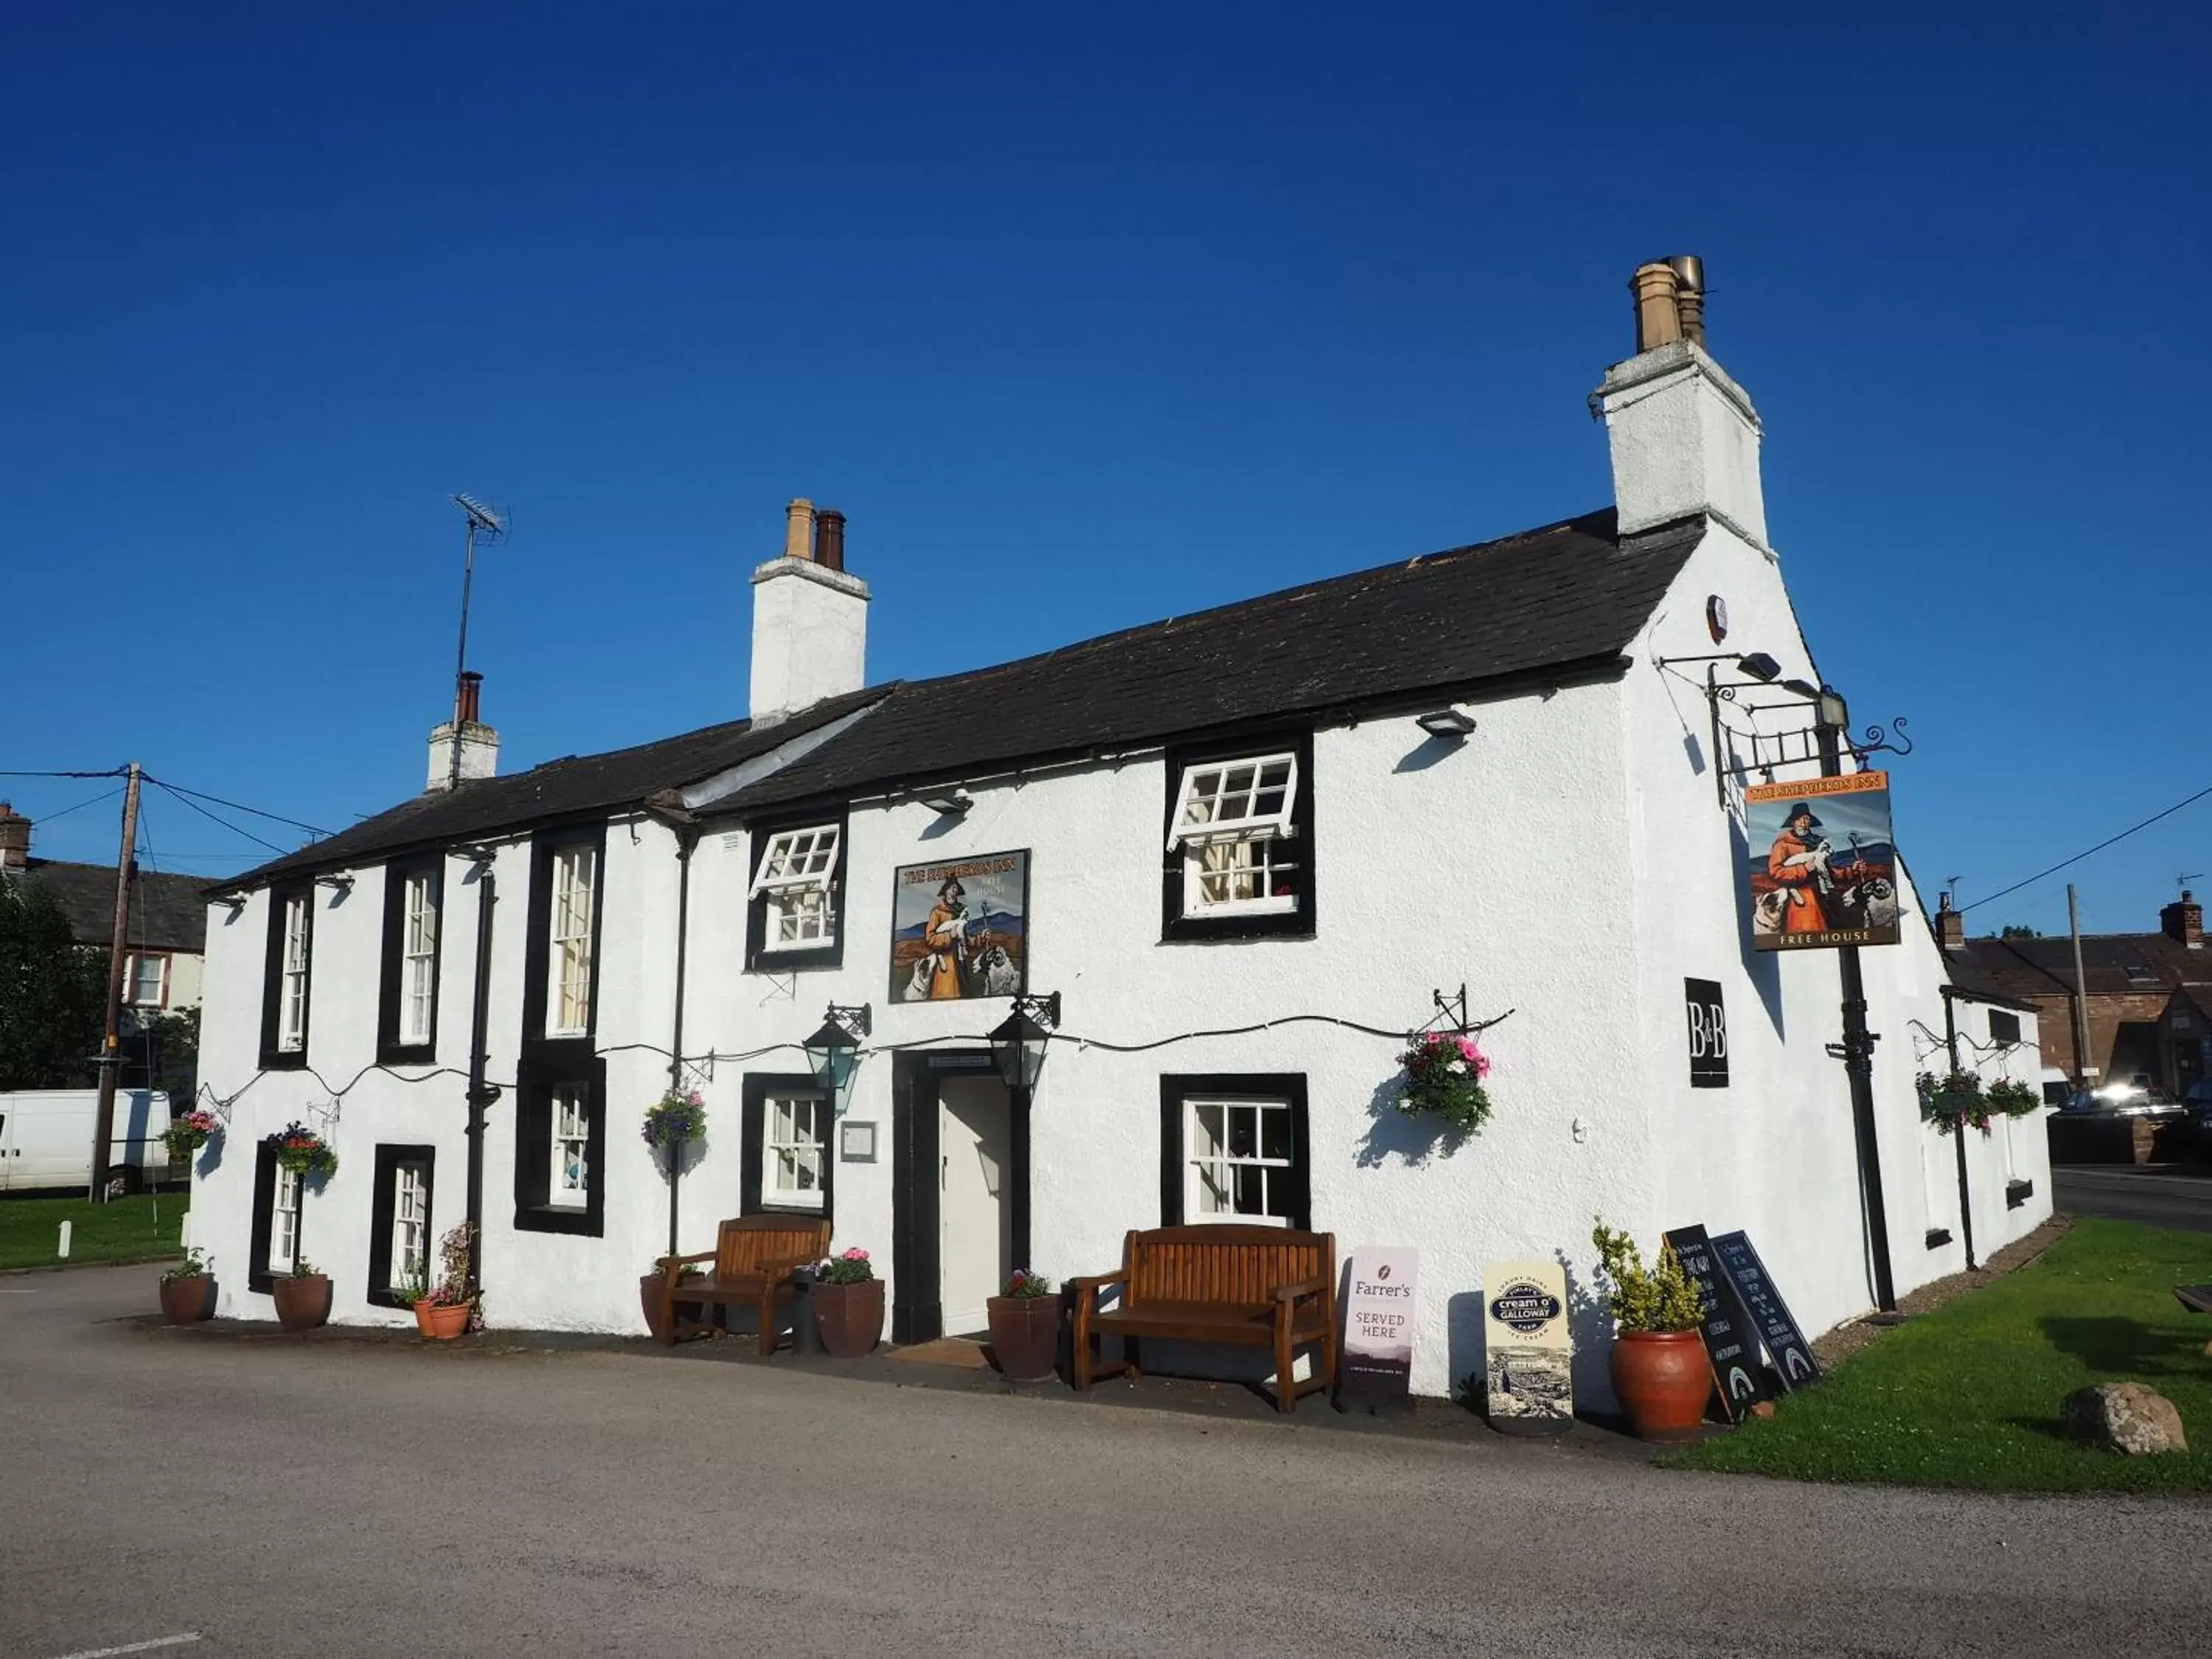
[292, 986]
[287, 989]
[569, 987]
[407, 1014]
[146, 981]
[795, 879]
[1239, 852]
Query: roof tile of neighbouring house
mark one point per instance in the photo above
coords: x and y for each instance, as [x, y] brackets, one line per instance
[167, 912]
[1565, 596]
[1568, 593]
[2114, 964]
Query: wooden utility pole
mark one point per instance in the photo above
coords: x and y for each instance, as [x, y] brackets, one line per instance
[111, 1051]
[2081, 995]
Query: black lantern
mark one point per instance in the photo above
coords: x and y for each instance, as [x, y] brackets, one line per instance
[835, 1050]
[1017, 1045]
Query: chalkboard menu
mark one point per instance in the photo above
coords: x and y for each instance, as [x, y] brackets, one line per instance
[1770, 1315]
[1731, 1339]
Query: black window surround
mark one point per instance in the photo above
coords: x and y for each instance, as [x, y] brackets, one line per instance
[752, 1161]
[545, 1064]
[1178, 1088]
[760, 956]
[390, 1159]
[390, 1050]
[274, 1059]
[1298, 922]
[257, 1276]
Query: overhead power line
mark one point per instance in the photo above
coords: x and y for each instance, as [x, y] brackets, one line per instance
[240, 806]
[212, 818]
[2109, 841]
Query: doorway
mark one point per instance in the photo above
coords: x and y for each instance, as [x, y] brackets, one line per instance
[960, 1180]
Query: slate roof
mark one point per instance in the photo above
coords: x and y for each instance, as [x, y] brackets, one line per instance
[167, 912]
[2114, 964]
[1564, 598]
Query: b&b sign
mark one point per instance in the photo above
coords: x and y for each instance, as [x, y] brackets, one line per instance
[1701, 999]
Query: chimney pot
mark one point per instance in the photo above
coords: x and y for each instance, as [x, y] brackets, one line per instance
[1658, 313]
[468, 698]
[14, 838]
[829, 538]
[798, 529]
[1689, 295]
[1950, 925]
[2183, 922]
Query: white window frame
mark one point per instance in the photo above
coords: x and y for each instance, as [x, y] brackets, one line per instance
[570, 1106]
[1223, 832]
[569, 945]
[139, 959]
[1202, 1155]
[797, 876]
[292, 981]
[785, 1146]
[410, 1233]
[284, 1222]
[418, 961]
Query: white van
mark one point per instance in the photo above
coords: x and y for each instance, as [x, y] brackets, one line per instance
[45, 1137]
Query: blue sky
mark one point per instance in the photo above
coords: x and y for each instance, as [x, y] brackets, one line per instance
[1084, 319]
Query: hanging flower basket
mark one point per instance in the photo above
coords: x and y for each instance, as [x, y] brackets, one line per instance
[304, 1152]
[186, 1134]
[1444, 1078]
[2012, 1098]
[676, 1118]
[1952, 1099]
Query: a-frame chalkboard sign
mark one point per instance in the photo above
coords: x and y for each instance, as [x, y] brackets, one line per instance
[1794, 1364]
[1731, 1338]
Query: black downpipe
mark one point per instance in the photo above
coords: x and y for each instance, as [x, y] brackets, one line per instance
[1958, 1135]
[481, 1093]
[687, 838]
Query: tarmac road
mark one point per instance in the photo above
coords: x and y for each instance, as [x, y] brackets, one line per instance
[255, 1496]
[2159, 1195]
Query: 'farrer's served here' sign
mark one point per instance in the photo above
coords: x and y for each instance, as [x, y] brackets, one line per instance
[1381, 1311]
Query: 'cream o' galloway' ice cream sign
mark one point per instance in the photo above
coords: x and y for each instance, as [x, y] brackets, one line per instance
[1381, 1311]
[1529, 1353]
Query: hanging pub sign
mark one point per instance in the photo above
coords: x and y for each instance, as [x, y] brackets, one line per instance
[960, 929]
[1731, 1339]
[1382, 1310]
[1822, 867]
[1708, 1033]
[1528, 1354]
[1770, 1315]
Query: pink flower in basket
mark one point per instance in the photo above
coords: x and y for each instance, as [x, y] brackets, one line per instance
[856, 1254]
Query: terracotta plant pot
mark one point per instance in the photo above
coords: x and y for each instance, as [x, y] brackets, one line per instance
[659, 1311]
[303, 1302]
[187, 1300]
[1025, 1335]
[441, 1324]
[849, 1317]
[1663, 1382]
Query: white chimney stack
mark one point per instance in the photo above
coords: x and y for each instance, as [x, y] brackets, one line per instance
[477, 743]
[810, 618]
[1685, 437]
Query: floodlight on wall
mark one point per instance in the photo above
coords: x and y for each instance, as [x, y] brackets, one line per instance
[950, 802]
[1450, 724]
[1760, 666]
[1018, 1043]
[834, 1051]
[341, 880]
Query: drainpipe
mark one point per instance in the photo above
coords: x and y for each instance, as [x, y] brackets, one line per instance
[687, 838]
[1958, 1138]
[481, 1093]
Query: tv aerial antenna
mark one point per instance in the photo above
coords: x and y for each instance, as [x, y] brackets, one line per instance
[489, 527]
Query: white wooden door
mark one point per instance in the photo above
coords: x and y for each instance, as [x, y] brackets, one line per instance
[972, 1211]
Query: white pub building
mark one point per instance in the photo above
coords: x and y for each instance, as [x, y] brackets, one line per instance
[1241, 848]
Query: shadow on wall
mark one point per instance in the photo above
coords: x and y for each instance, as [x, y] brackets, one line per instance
[1589, 1325]
[1764, 968]
[1470, 1366]
[211, 1154]
[1427, 752]
[1413, 1139]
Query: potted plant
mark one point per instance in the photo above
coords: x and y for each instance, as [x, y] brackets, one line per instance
[676, 1117]
[187, 1290]
[849, 1305]
[1952, 1099]
[1025, 1327]
[302, 1297]
[188, 1133]
[2012, 1098]
[654, 1297]
[1659, 1366]
[1444, 1078]
[445, 1310]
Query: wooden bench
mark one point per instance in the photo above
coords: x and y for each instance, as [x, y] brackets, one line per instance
[1261, 1286]
[755, 1258]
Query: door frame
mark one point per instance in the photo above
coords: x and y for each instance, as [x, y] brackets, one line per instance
[917, 1269]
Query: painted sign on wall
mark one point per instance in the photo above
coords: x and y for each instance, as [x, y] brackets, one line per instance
[1381, 1311]
[1822, 870]
[1528, 1354]
[1708, 1033]
[961, 929]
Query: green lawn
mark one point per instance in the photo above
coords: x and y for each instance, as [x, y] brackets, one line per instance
[29, 1228]
[1968, 1395]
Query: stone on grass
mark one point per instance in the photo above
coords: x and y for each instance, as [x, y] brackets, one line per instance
[2124, 1417]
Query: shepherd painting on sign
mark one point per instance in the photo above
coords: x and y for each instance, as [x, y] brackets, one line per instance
[960, 930]
[1823, 866]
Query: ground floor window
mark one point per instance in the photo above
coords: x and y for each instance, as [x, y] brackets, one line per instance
[275, 1246]
[788, 1163]
[401, 1249]
[560, 1141]
[1234, 1148]
[569, 1182]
